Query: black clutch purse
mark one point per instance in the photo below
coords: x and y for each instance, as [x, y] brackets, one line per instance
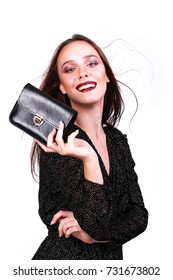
[37, 113]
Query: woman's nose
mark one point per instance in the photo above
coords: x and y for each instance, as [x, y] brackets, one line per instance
[83, 73]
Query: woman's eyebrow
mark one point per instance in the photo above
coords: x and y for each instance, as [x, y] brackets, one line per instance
[68, 61]
[72, 61]
[90, 55]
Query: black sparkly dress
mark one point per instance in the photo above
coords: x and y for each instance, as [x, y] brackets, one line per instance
[113, 211]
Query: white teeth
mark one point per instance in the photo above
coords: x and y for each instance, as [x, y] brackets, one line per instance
[86, 86]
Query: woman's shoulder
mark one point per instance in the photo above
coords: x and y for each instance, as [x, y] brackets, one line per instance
[122, 145]
[115, 133]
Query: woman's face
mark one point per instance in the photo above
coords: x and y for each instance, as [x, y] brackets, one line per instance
[82, 74]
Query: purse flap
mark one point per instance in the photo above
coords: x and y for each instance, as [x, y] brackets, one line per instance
[39, 103]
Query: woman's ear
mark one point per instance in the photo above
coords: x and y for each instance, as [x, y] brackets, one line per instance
[62, 89]
[107, 79]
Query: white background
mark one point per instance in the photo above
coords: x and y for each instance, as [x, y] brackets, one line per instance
[30, 32]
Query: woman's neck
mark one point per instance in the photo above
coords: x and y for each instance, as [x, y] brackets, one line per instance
[90, 122]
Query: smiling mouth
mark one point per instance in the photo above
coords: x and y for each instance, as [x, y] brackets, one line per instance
[83, 87]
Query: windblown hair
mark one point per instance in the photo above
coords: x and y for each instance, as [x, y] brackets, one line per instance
[113, 103]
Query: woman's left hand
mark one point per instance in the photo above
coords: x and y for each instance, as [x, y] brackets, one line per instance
[68, 225]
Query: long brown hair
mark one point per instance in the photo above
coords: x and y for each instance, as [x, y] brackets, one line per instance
[113, 103]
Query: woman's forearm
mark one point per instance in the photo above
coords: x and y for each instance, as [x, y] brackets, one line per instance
[92, 171]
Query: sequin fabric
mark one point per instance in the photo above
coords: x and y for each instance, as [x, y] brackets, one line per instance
[113, 211]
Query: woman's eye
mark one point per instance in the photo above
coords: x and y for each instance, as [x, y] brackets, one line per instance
[92, 63]
[69, 70]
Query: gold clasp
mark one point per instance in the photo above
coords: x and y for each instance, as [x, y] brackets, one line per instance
[38, 119]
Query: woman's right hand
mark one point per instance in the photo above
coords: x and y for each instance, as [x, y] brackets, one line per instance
[74, 147]
[77, 148]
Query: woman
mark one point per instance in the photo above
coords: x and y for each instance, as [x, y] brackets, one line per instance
[89, 197]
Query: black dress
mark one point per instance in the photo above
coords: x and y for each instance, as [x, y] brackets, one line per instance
[113, 211]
